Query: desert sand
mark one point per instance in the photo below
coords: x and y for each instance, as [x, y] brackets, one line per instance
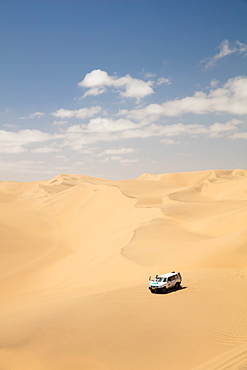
[76, 254]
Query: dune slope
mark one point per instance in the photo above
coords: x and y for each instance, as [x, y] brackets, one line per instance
[76, 253]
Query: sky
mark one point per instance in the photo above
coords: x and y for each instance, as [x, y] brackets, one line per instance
[118, 88]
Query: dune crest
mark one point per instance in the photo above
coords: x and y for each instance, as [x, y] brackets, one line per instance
[76, 253]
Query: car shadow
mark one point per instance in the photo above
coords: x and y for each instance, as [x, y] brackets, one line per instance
[173, 290]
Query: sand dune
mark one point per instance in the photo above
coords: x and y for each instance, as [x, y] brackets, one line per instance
[76, 253]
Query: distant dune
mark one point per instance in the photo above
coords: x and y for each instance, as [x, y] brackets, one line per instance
[76, 254]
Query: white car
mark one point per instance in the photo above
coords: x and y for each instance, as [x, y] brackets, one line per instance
[161, 283]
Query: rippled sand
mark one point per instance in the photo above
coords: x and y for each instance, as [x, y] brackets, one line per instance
[76, 254]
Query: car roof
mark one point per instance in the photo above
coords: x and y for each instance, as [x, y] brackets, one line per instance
[168, 274]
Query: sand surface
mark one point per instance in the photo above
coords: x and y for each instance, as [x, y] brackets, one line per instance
[76, 254]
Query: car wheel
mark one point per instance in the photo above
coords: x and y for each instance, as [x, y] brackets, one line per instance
[177, 286]
[164, 290]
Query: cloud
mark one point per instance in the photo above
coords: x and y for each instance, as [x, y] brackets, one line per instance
[45, 149]
[97, 78]
[10, 125]
[62, 122]
[214, 83]
[78, 113]
[116, 151]
[79, 163]
[97, 81]
[108, 130]
[94, 91]
[103, 125]
[13, 149]
[139, 123]
[148, 74]
[239, 135]
[101, 129]
[14, 142]
[226, 48]
[120, 160]
[218, 129]
[169, 141]
[60, 156]
[96, 130]
[242, 48]
[25, 166]
[109, 125]
[163, 80]
[34, 115]
[230, 98]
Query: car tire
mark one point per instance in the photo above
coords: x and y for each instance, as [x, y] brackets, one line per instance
[177, 286]
[164, 290]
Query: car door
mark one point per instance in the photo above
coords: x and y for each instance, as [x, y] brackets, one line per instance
[175, 279]
[169, 282]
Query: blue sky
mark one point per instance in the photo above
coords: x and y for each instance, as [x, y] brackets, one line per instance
[117, 88]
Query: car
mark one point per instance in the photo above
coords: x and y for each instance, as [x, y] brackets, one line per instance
[161, 283]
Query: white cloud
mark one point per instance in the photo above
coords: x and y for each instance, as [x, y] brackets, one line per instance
[90, 150]
[14, 142]
[97, 78]
[123, 160]
[135, 88]
[98, 129]
[239, 135]
[218, 129]
[163, 80]
[178, 129]
[10, 125]
[62, 122]
[34, 115]
[97, 81]
[242, 48]
[102, 125]
[109, 125]
[13, 149]
[226, 48]
[138, 123]
[94, 91]
[148, 74]
[169, 141]
[45, 149]
[230, 98]
[215, 130]
[120, 160]
[214, 83]
[101, 129]
[116, 151]
[24, 166]
[78, 113]
[79, 163]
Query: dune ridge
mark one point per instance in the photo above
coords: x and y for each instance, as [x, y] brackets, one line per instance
[76, 253]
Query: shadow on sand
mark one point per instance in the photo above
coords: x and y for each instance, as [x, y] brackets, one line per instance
[172, 290]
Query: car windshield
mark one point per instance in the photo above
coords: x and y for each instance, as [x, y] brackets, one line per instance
[159, 279]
